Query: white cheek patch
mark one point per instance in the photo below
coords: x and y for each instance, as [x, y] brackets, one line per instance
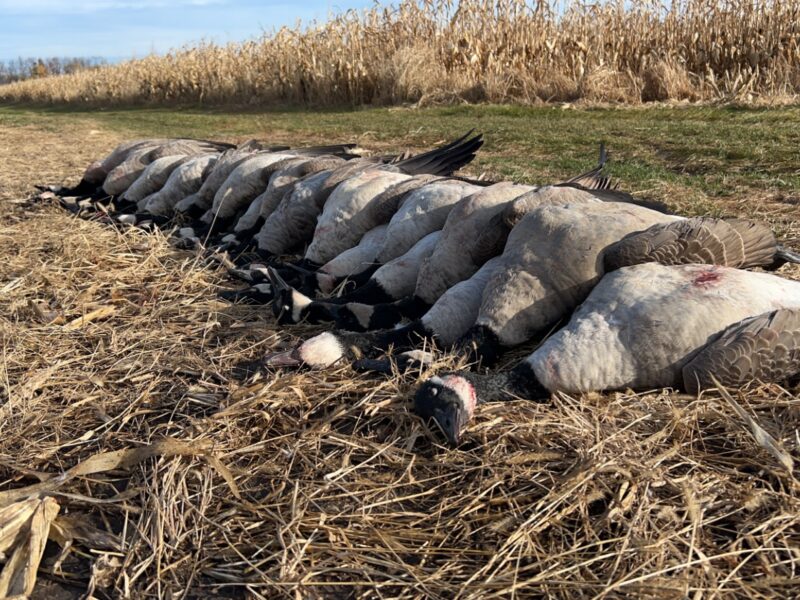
[264, 288]
[321, 351]
[362, 313]
[463, 389]
[127, 219]
[299, 302]
[325, 282]
[186, 232]
[260, 270]
[231, 237]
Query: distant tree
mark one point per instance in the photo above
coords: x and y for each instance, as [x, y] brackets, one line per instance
[33, 68]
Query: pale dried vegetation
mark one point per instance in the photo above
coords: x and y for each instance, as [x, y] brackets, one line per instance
[474, 50]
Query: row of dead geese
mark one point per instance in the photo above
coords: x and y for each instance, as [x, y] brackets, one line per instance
[398, 250]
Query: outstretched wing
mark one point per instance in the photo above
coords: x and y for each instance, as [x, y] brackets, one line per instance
[765, 347]
[729, 242]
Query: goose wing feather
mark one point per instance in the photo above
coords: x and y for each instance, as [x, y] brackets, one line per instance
[765, 347]
[733, 243]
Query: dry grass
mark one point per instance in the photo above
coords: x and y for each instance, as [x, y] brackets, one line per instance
[473, 50]
[325, 485]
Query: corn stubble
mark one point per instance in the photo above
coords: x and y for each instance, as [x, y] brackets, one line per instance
[475, 50]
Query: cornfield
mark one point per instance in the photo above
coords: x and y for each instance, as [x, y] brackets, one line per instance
[432, 51]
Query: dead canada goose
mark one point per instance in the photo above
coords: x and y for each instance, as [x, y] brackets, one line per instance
[280, 182]
[152, 179]
[197, 204]
[251, 177]
[121, 177]
[643, 327]
[294, 220]
[184, 180]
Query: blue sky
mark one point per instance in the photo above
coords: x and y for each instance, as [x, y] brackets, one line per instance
[125, 28]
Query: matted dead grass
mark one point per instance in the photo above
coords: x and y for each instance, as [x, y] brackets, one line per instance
[124, 434]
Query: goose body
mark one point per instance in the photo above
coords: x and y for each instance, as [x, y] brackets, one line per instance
[153, 177]
[643, 327]
[292, 222]
[202, 200]
[124, 174]
[397, 278]
[245, 182]
[279, 184]
[348, 213]
[422, 212]
[352, 261]
[121, 177]
[460, 251]
[183, 181]
[99, 170]
[552, 260]
[252, 214]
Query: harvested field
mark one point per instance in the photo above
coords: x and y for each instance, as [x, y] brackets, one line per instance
[326, 485]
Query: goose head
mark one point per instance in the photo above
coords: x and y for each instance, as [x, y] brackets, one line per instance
[319, 352]
[449, 400]
[288, 304]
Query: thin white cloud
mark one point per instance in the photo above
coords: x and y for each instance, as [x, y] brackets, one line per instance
[91, 6]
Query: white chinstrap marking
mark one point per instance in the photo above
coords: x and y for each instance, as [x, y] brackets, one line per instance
[321, 351]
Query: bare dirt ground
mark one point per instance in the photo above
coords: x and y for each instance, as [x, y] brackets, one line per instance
[312, 485]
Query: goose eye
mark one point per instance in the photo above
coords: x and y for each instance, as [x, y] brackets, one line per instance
[286, 307]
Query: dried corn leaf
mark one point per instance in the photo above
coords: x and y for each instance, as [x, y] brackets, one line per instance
[19, 573]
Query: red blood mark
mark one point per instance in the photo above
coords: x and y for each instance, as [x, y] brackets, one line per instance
[706, 278]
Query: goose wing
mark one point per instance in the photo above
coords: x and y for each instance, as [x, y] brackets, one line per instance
[732, 243]
[765, 347]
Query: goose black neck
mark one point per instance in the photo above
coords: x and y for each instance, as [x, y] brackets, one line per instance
[482, 345]
[376, 343]
[519, 382]
[369, 293]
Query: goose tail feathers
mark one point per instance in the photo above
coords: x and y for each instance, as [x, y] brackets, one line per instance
[445, 160]
[786, 255]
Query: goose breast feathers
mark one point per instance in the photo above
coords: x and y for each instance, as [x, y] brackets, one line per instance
[642, 324]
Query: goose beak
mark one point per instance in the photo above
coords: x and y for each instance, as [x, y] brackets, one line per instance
[301, 270]
[437, 401]
[290, 358]
[278, 283]
[450, 422]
